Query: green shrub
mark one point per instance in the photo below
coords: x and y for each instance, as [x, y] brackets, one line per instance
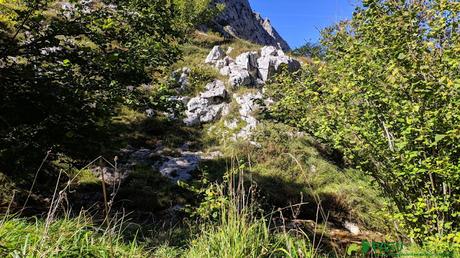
[196, 12]
[388, 97]
[309, 49]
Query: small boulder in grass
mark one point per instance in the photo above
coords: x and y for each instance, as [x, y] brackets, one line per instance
[215, 55]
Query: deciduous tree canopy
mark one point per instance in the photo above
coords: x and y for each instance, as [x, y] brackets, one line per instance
[387, 95]
[65, 66]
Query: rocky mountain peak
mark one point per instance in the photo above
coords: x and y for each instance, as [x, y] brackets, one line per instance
[238, 20]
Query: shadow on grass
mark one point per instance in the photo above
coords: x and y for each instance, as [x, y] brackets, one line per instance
[149, 132]
[129, 128]
[297, 202]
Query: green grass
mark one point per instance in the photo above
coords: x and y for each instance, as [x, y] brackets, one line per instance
[136, 129]
[86, 176]
[63, 238]
[237, 234]
[290, 169]
[239, 228]
[206, 41]
[147, 190]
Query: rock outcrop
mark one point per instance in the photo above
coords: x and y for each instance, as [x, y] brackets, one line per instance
[249, 104]
[183, 166]
[251, 68]
[208, 106]
[239, 21]
[271, 60]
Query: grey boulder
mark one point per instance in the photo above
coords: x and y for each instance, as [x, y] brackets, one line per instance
[239, 76]
[244, 71]
[249, 105]
[215, 92]
[226, 61]
[271, 61]
[216, 54]
[208, 106]
[248, 61]
[181, 168]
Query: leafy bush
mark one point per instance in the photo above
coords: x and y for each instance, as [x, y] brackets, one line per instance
[388, 97]
[196, 12]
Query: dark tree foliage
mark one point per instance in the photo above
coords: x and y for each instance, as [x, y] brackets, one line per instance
[64, 68]
[312, 50]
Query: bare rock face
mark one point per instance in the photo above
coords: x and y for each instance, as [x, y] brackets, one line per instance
[248, 61]
[224, 62]
[239, 21]
[239, 76]
[243, 72]
[215, 92]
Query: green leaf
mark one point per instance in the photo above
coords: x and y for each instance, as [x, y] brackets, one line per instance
[66, 62]
[401, 56]
[352, 249]
[438, 138]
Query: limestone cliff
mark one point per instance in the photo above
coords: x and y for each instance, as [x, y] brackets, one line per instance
[238, 20]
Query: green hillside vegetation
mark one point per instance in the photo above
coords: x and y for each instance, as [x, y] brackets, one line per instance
[365, 133]
[387, 97]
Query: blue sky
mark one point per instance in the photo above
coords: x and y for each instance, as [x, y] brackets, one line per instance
[299, 21]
